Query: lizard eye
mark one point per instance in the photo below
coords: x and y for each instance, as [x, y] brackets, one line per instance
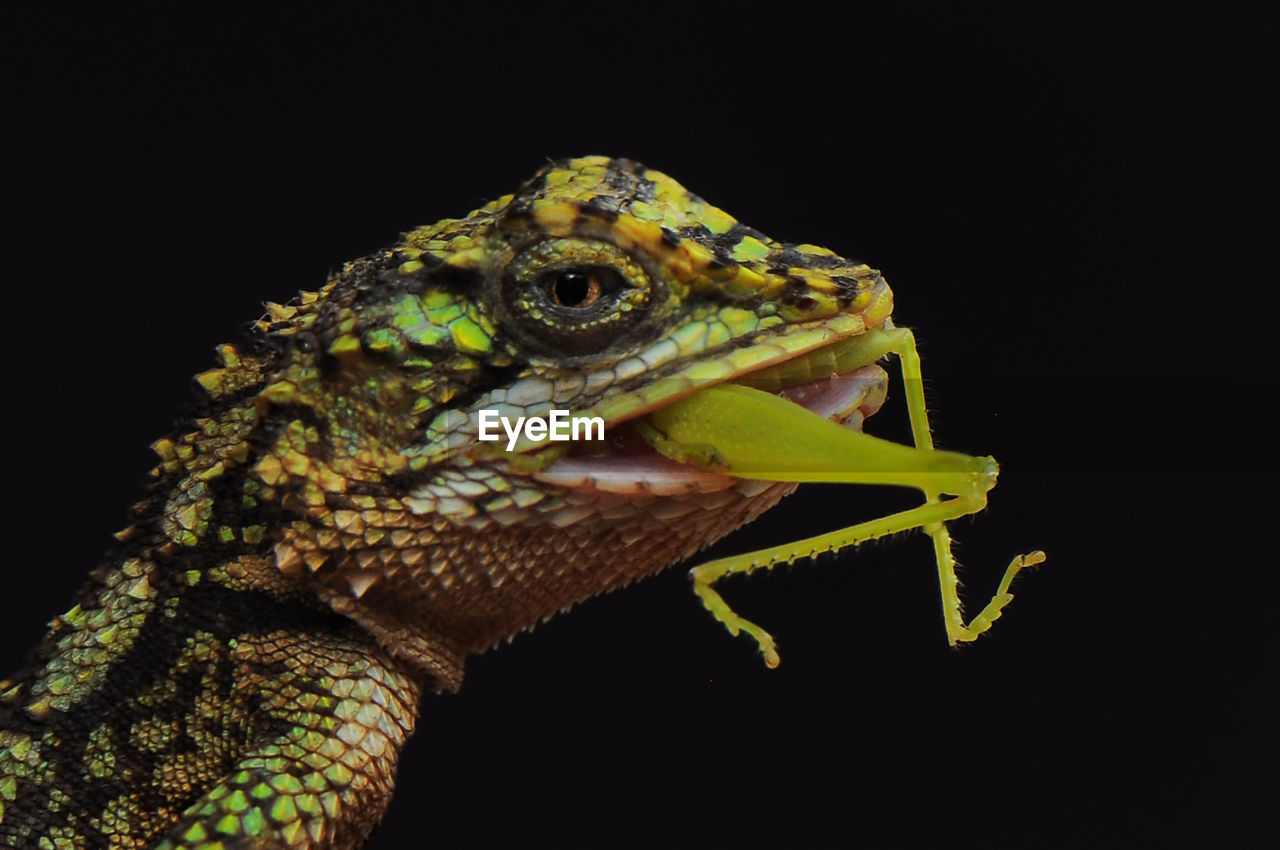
[576, 297]
[580, 288]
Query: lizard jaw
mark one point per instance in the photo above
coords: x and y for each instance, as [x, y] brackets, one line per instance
[847, 399]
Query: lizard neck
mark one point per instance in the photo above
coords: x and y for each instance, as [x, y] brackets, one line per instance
[173, 667]
[294, 467]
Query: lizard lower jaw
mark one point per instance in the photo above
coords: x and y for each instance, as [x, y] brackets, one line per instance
[847, 399]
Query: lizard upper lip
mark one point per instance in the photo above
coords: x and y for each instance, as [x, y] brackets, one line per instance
[633, 468]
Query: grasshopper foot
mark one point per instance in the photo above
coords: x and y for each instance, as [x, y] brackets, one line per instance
[735, 624]
[1002, 597]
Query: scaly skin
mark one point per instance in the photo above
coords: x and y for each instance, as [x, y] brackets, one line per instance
[328, 538]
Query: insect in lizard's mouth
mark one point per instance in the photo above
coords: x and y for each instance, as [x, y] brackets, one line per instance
[822, 381]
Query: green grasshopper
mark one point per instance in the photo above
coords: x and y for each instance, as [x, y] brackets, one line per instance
[734, 429]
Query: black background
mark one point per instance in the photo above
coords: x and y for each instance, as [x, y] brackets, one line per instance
[1042, 190]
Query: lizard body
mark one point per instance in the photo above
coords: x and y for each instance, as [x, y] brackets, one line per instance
[326, 538]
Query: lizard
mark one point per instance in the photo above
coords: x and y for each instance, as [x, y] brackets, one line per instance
[325, 537]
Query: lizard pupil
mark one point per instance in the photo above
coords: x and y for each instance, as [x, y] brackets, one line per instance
[576, 289]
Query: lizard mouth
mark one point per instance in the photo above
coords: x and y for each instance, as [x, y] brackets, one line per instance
[626, 464]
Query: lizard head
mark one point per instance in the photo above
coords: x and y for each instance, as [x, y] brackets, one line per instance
[602, 288]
